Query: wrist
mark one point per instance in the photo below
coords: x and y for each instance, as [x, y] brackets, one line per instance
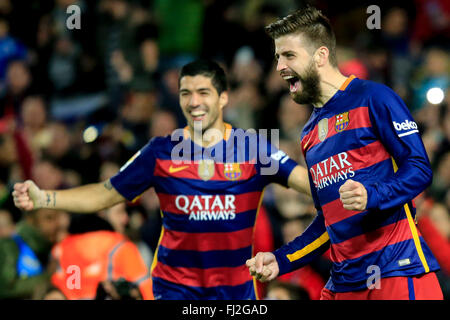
[372, 197]
[45, 199]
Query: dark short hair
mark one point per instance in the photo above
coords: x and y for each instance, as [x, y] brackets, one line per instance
[207, 68]
[311, 23]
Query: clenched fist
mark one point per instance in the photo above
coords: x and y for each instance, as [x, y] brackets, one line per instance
[264, 266]
[353, 195]
[27, 196]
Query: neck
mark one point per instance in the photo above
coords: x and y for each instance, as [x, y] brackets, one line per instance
[210, 136]
[331, 81]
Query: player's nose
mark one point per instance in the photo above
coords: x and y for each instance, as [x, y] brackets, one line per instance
[195, 101]
[281, 65]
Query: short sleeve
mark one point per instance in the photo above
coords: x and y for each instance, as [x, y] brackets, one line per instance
[136, 175]
[274, 165]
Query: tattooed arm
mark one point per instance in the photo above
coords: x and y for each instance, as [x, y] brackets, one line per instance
[85, 199]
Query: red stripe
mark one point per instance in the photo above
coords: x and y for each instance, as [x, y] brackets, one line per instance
[371, 241]
[358, 158]
[334, 212]
[368, 155]
[358, 118]
[189, 170]
[237, 203]
[207, 241]
[195, 277]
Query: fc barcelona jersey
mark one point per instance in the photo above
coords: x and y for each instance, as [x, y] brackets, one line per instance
[364, 133]
[209, 201]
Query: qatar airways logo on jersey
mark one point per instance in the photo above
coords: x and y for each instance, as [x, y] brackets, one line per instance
[329, 171]
[207, 207]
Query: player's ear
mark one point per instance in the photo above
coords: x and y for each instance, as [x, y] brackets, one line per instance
[321, 56]
[223, 99]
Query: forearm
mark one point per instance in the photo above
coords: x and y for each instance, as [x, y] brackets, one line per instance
[298, 180]
[85, 199]
[311, 244]
[413, 177]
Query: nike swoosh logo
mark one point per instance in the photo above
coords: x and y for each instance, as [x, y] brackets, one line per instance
[177, 169]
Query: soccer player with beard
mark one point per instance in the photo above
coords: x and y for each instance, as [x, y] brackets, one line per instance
[366, 164]
[209, 198]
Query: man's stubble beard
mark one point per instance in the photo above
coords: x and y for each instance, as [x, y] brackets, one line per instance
[310, 91]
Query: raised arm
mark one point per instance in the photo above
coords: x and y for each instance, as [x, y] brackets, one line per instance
[298, 180]
[85, 199]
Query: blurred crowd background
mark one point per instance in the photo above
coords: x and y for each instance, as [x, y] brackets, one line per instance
[76, 104]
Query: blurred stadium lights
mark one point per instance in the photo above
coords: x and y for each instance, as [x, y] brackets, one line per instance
[92, 132]
[435, 95]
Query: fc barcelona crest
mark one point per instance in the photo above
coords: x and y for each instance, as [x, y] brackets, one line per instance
[232, 171]
[206, 169]
[323, 129]
[342, 121]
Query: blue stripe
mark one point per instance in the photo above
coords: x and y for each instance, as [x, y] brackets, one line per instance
[199, 187]
[366, 176]
[354, 138]
[204, 259]
[351, 274]
[362, 223]
[165, 290]
[181, 222]
[411, 293]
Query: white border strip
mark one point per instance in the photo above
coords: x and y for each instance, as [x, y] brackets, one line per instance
[408, 133]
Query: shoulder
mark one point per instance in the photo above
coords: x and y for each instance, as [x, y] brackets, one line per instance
[9, 248]
[371, 89]
[379, 97]
[160, 142]
[157, 144]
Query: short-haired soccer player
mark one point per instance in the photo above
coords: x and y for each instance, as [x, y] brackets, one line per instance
[366, 164]
[210, 183]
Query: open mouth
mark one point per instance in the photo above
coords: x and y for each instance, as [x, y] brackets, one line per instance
[294, 82]
[198, 115]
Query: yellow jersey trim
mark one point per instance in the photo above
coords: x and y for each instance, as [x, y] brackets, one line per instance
[309, 248]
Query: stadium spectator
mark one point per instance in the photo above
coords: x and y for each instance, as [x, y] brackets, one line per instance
[18, 86]
[279, 290]
[10, 48]
[93, 253]
[25, 254]
[6, 224]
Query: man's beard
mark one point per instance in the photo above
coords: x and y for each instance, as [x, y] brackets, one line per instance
[310, 90]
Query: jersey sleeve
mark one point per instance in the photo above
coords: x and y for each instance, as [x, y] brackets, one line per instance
[398, 132]
[136, 175]
[308, 246]
[275, 166]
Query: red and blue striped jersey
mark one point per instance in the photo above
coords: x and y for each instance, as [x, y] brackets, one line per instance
[365, 133]
[209, 204]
